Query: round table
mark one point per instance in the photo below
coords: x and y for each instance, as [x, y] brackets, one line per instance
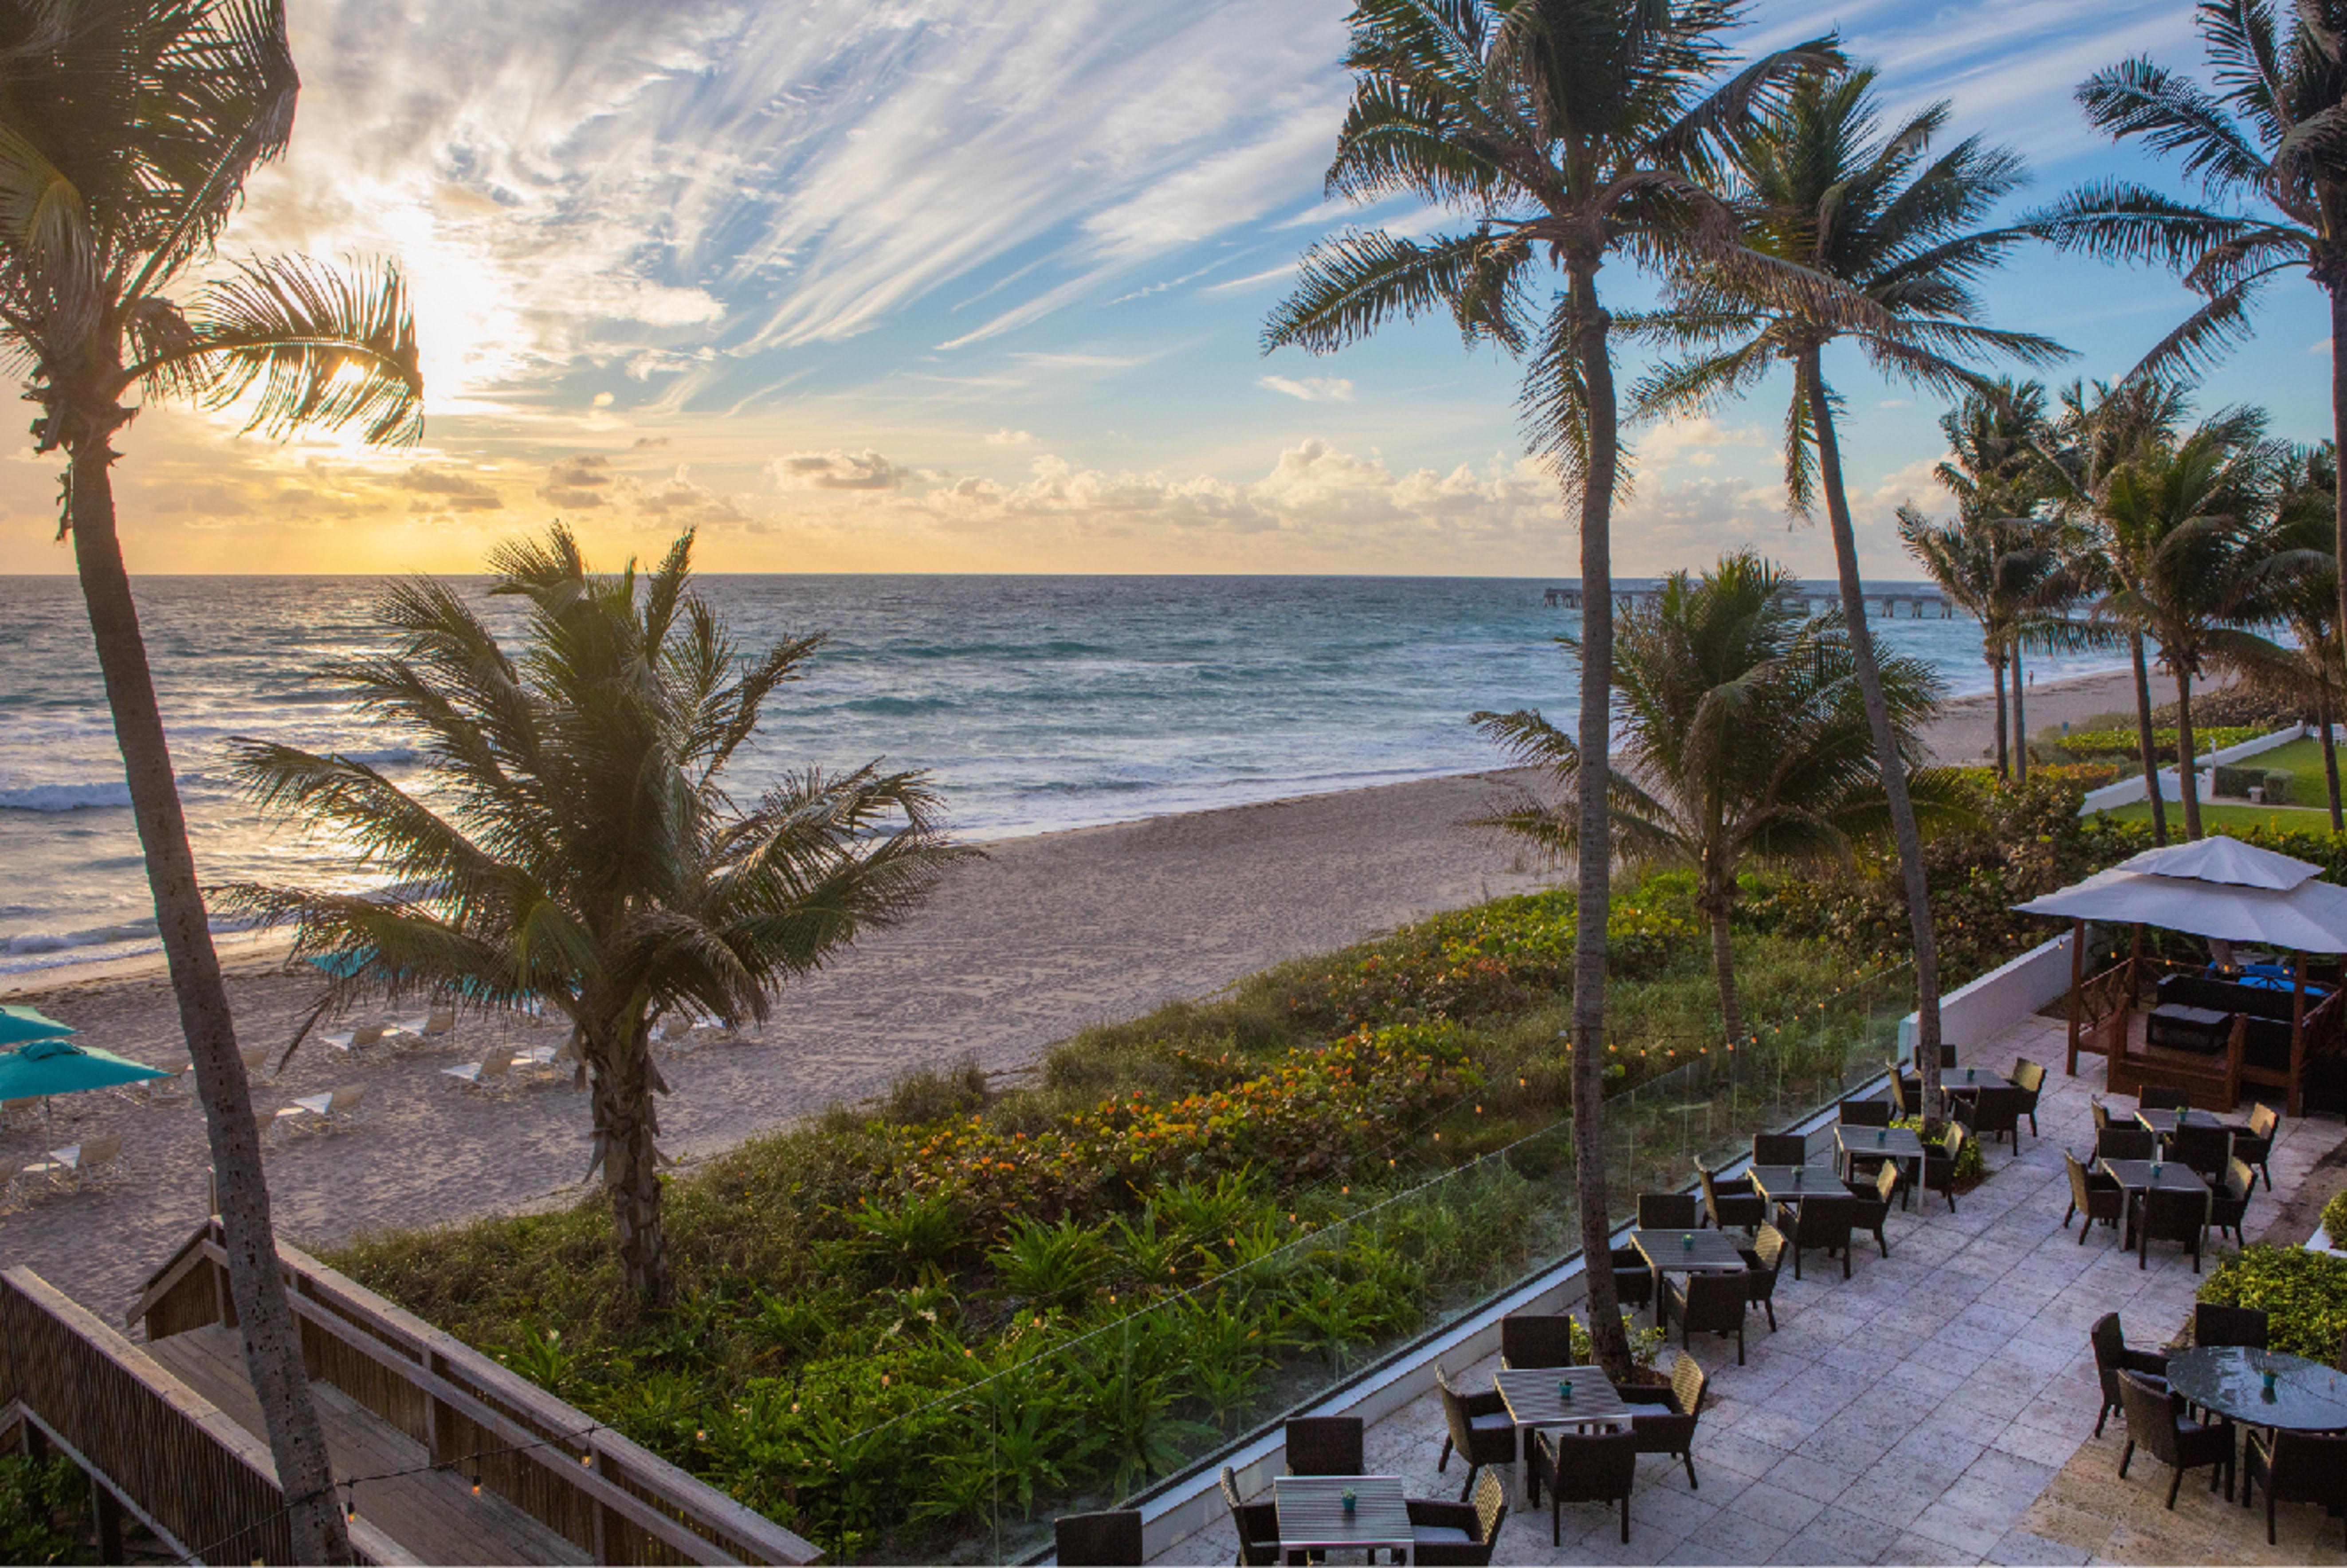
[2308, 1397]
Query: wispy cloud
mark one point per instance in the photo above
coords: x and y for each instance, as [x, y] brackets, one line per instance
[1311, 388]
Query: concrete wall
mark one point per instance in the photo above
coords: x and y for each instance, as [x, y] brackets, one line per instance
[2127, 792]
[1975, 1014]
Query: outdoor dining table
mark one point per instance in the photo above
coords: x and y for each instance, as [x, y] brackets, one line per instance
[2136, 1176]
[2307, 1395]
[1534, 1396]
[2166, 1121]
[1684, 1252]
[1900, 1144]
[1970, 1079]
[1791, 1184]
[1312, 1517]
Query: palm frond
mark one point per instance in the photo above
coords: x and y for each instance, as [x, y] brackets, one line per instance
[1349, 286]
[2138, 98]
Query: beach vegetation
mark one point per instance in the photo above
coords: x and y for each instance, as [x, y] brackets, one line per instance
[2303, 1294]
[44, 1510]
[2124, 742]
[573, 844]
[1562, 134]
[1746, 743]
[127, 131]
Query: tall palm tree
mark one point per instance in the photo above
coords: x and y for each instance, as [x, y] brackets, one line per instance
[1745, 737]
[2267, 137]
[2306, 497]
[127, 130]
[573, 845]
[1820, 189]
[1569, 131]
[2198, 563]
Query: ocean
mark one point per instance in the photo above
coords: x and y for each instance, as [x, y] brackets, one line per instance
[1040, 703]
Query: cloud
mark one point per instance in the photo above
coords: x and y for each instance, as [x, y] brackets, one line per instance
[865, 470]
[1008, 438]
[1311, 389]
[680, 502]
[450, 492]
[1695, 442]
[577, 482]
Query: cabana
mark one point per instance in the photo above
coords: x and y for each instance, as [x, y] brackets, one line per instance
[2209, 1034]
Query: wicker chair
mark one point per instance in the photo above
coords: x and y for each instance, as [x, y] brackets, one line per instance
[1994, 1113]
[2112, 1357]
[1459, 1534]
[2295, 1466]
[1536, 1339]
[2162, 1214]
[2216, 1325]
[1731, 1201]
[1325, 1445]
[1875, 1201]
[1779, 1149]
[1947, 1058]
[1865, 1112]
[2256, 1144]
[1257, 1524]
[2228, 1204]
[2153, 1425]
[2093, 1195]
[1634, 1277]
[1762, 1259]
[1576, 1467]
[2100, 1113]
[1670, 1211]
[2117, 1143]
[1481, 1431]
[1670, 1429]
[2029, 1081]
[1110, 1539]
[2204, 1149]
[1823, 1220]
[1905, 1093]
[1712, 1303]
[2159, 1097]
[1939, 1169]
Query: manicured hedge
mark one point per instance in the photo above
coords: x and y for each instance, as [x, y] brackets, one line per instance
[2302, 1293]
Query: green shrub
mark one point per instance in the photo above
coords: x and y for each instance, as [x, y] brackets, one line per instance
[2126, 743]
[2303, 1294]
[2278, 786]
[2236, 782]
[2334, 1220]
[43, 1502]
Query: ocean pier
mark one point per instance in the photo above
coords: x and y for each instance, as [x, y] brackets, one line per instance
[1916, 603]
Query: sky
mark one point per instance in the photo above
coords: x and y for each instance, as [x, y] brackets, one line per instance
[978, 286]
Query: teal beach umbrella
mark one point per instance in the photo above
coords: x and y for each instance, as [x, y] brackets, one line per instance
[46, 1067]
[19, 1024]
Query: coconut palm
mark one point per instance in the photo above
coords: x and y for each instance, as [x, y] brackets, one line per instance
[1821, 188]
[127, 130]
[573, 847]
[2268, 137]
[1569, 131]
[2198, 563]
[1745, 739]
[2306, 498]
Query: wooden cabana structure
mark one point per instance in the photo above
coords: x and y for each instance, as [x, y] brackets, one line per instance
[2215, 1033]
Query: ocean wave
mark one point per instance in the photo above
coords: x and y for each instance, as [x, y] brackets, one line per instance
[65, 798]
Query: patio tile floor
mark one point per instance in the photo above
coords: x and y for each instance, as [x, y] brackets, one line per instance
[1937, 1407]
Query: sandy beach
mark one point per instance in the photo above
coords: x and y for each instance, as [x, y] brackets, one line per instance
[1047, 935]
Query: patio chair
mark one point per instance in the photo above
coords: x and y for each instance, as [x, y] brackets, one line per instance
[1536, 1339]
[1708, 1303]
[21, 1115]
[2028, 1081]
[1875, 1200]
[1584, 1467]
[1731, 1201]
[2100, 1113]
[2162, 1214]
[2160, 1097]
[1939, 1168]
[2093, 1195]
[1481, 1431]
[1992, 1113]
[1779, 1149]
[1325, 1445]
[1634, 1278]
[1905, 1094]
[2153, 1425]
[99, 1161]
[1668, 1212]
[1822, 1221]
[2117, 1143]
[490, 1075]
[1108, 1540]
[2216, 1325]
[2205, 1149]
[2295, 1466]
[1865, 1112]
[2256, 1143]
[1670, 1428]
[2113, 1355]
[1257, 1524]
[1762, 1259]
[2229, 1203]
[1460, 1534]
[1948, 1058]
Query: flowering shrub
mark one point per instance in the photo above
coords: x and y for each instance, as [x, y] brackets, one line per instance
[2127, 743]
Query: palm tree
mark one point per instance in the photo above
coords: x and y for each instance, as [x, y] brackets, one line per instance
[2305, 500]
[1822, 190]
[2269, 136]
[1570, 131]
[127, 130]
[2197, 563]
[573, 845]
[1745, 738]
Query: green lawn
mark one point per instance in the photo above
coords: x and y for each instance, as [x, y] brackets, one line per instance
[2302, 759]
[2282, 818]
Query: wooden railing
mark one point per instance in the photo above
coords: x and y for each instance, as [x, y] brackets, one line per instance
[613, 1499]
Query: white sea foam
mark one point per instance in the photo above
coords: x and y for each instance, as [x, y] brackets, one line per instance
[65, 798]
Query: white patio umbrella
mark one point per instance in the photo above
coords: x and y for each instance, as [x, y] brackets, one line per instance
[2224, 860]
[2310, 917]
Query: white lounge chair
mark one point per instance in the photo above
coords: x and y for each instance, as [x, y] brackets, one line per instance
[91, 1162]
[168, 1090]
[255, 1058]
[491, 1074]
[364, 1037]
[24, 1115]
[346, 1107]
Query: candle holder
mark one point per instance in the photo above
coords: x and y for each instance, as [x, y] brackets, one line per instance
[1565, 1388]
[1350, 1502]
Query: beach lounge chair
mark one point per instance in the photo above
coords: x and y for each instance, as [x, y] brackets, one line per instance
[22, 1115]
[169, 1091]
[255, 1058]
[91, 1162]
[346, 1107]
[677, 1037]
[490, 1075]
[351, 1042]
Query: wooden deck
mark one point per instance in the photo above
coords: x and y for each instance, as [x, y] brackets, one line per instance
[434, 1516]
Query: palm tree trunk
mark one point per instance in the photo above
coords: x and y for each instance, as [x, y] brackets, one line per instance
[1723, 968]
[1894, 768]
[273, 1345]
[627, 1123]
[2187, 781]
[2020, 721]
[1596, 841]
[2339, 439]
[2330, 754]
[2147, 739]
[2004, 755]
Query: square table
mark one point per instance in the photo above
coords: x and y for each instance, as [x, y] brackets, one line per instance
[2166, 1121]
[1312, 1516]
[1791, 1184]
[1684, 1252]
[1533, 1401]
[2135, 1177]
[1963, 1080]
[1903, 1144]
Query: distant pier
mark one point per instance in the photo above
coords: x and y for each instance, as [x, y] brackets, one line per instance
[1915, 603]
